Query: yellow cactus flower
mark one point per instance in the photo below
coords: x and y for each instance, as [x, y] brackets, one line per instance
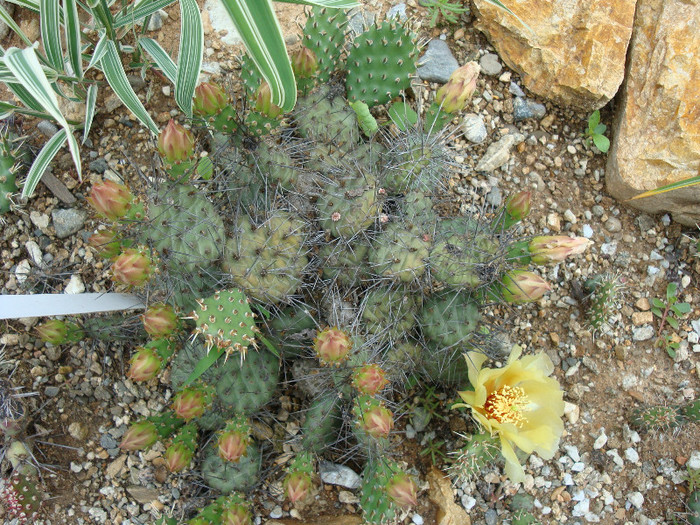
[519, 403]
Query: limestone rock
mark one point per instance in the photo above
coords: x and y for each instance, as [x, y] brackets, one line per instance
[573, 52]
[656, 132]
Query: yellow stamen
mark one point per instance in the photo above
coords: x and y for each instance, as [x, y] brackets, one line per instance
[507, 405]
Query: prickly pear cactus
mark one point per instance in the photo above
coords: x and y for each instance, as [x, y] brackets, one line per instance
[658, 417]
[380, 63]
[324, 34]
[479, 451]
[226, 476]
[9, 165]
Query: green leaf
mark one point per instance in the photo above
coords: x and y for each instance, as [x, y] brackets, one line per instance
[72, 30]
[203, 365]
[691, 181]
[51, 32]
[260, 31]
[671, 290]
[42, 161]
[594, 120]
[114, 73]
[7, 109]
[269, 346]
[658, 303]
[32, 5]
[26, 97]
[601, 142]
[90, 101]
[600, 129]
[403, 115]
[672, 321]
[189, 62]
[99, 51]
[657, 312]
[681, 308]
[160, 57]
[5, 17]
[671, 352]
[142, 9]
[368, 124]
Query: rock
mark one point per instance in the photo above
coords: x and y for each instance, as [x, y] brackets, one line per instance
[335, 474]
[572, 53]
[75, 285]
[143, 494]
[524, 109]
[4, 28]
[694, 460]
[24, 268]
[515, 90]
[636, 499]
[98, 165]
[498, 153]
[77, 431]
[613, 225]
[397, 11]
[68, 221]
[474, 128]
[321, 520]
[440, 493]
[490, 65]
[643, 333]
[35, 253]
[40, 220]
[157, 20]
[221, 21]
[651, 148]
[276, 512]
[437, 64]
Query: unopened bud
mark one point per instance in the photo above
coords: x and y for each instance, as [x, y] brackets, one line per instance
[110, 200]
[139, 436]
[159, 320]
[369, 379]
[332, 346]
[263, 102]
[106, 243]
[297, 486]
[402, 489]
[521, 286]
[132, 268]
[546, 249]
[175, 143]
[209, 100]
[232, 441]
[236, 514]
[53, 331]
[192, 402]
[304, 63]
[454, 96]
[377, 421]
[145, 364]
[178, 456]
[518, 205]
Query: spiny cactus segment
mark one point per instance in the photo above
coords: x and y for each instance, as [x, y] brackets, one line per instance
[479, 451]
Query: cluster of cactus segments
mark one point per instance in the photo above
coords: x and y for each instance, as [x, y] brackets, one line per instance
[10, 163]
[479, 451]
[309, 247]
[665, 417]
[605, 291]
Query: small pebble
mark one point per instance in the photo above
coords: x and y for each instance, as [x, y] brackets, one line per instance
[490, 65]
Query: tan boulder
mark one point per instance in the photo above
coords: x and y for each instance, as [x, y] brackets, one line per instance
[656, 132]
[573, 52]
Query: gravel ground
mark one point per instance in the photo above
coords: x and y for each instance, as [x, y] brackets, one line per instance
[604, 472]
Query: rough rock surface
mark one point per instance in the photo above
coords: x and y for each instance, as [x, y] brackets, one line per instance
[573, 52]
[656, 133]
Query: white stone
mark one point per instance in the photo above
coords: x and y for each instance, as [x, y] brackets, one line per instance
[636, 499]
[221, 21]
[631, 455]
[75, 285]
[601, 440]
[22, 271]
[694, 460]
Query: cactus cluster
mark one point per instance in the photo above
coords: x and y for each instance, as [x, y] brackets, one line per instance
[665, 417]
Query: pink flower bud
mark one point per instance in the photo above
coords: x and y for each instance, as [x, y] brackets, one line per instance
[547, 249]
[110, 200]
[209, 100]
[403, 491]
[232, 445]
[53, 331]
[297, 486]
[192, 402]
[236, 514]
[518, 205]
[454, 95]
[369, 379]
[332, 346]
[263, 102]
[175, 143]
[159, 320]
[178, 457]
[521, 286]
[145, 364]
[106, 243]
[139, 436]
[377, 421]
[304, 63]
[132, 267]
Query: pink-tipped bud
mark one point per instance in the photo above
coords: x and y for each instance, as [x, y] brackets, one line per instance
[518, 205]
[402, 489]
[178, 457]
[263, 102]
[547, 249]
[377, 421]
[106, 243]
[175, 143]
[159, 320]
[236, 514]
[145, 364]
[332, 346]
[297, 486]
[369, 379]
[133, 267]
[455, 95]
[232, 445]
[521, 286]
[304, 63]
[53, 331]
[139, 436]
[209, 100]
[110, 200]
[192, 402]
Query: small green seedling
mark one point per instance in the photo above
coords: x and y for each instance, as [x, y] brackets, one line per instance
[450, 11]
[669, 312]
[595, 132]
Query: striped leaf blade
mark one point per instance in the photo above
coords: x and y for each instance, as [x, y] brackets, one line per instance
[90, 101]
[42, 161]
[189, 62]
[72, 30]
[32, 5]
[160, 57]
[51, 32]
[5, 17]
[260, 31]
[691, 181]
[141, 11]
[100, 50]
[116, 78]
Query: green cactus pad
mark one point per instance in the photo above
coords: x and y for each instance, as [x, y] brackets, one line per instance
[324, 34]
[657, 418]
[327, 120]
[450, 319]
[225, 476]
[479, 451]
[401, 252]
[389, 312]
[349, 205]
[323, 419]
[250, 385]
[291, 331]
[377, 506]
[380, 63]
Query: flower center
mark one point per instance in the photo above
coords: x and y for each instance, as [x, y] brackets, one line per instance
[507, 405]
